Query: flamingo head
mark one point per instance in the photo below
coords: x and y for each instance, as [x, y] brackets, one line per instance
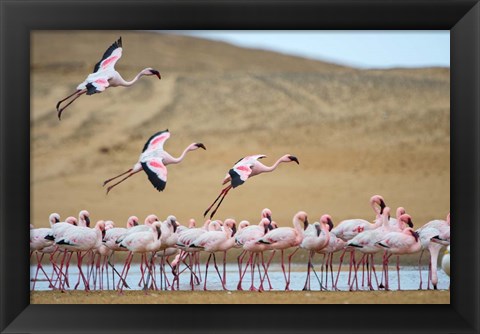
[326, 219]
[198, 145]
[71, 220]
[172, 221]
[151, 219]
[54, 218]
[378, 204]
[301, 217]
[266, 213]
[292, 158]
[132, 221]
[192, 223]
[85, 216]
[406, 219]
[151, 71]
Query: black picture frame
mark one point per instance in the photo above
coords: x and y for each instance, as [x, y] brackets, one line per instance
[18, 18]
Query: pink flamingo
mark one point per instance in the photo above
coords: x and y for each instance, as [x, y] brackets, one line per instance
[433, 236]
[81, 239]
[398, 243]
[247, 239]
[348, 229]
[334, 245]
[168, 240]
[153, 161]
[184, 242]
[104, 76]
[245, 168]
[365, 242]
[141, 242]
[285, 237]
[37, 244]
[216, 241]
[316, 237]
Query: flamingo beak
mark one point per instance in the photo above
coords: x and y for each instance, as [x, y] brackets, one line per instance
[382, 206]
[410, 223]
[305, 224]
[269, 226]
[87, 220]
[57, 220]
[318, 230]
[159, 232]
[200, 145]
[135, 223]
[155, 72]
[269, 218]
[234, 230]
[330, 225]
[292, 158]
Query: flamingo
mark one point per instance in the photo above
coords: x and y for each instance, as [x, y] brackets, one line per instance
[247, 239]
[216, 241]
[104, 76]
[82, 239]
[404, 242]
[38, 244]
[316, 237]
[334, 245]
[141, 242]
[168, 240]
[153, 160]
[433, 235]
[245, 168]
[348, 229]
[84, 218]
[285, 237]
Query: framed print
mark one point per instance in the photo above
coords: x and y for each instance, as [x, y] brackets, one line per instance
[27, 27]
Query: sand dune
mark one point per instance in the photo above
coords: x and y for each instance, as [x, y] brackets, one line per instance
[355, 132]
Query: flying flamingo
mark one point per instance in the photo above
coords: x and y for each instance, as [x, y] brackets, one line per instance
[316, 237]
[153, 160]
[104, 76]
[398, 243]
[285, 237]
[245, 168]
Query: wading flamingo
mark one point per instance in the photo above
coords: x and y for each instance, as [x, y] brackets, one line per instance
[349, 228]
[285, 237]
[316, 237]
[245, 168]
[153, 161]
[104, 76]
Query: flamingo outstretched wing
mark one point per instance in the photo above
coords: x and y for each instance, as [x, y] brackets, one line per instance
[110, 57]
[156, 172]
[156, 141]
[242, 170]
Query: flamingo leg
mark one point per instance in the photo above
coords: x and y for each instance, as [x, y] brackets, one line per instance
[78, 94]
[218, 272]
[222, 195]
[340, 267]
[116, 177]
[287, 286]
[306, 286]
[239, 262]
[130, 174]
[398, 271]
[252, 286]
[420, 269]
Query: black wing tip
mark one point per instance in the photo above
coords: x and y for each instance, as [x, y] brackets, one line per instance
[151, 137]
[153, 178]
[119, 42]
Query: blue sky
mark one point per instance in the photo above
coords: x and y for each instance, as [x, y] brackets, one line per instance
[362, 49]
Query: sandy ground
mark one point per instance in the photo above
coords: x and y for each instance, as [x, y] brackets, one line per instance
[355, 132]
[241, 297]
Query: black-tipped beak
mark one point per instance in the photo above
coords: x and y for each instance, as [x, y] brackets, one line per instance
[87, 220]
[269, 227]
[382, 206]
[103, 234]
[292, 158]
[410, 223]
[57, 220]
[135, 223]
[159, 232]
[269, 218]
[330, 224]
[234, 230]
[305, 224]
[175, 225]
[319, 230]
[155, 72]
[200, 145]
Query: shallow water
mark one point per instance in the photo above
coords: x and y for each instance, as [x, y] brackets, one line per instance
[409, 278]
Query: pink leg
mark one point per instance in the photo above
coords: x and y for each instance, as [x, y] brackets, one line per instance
[287, 286]
[239, 261]
[340, 267]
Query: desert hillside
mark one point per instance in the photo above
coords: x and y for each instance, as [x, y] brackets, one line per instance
[355, 132]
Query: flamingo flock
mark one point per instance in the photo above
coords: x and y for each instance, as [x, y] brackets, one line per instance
[167, 248]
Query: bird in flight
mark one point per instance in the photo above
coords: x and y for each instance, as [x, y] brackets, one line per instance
[104, 75]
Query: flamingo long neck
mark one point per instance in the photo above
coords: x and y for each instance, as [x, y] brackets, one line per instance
[180, 158]
[274, 166]
[131, 82]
